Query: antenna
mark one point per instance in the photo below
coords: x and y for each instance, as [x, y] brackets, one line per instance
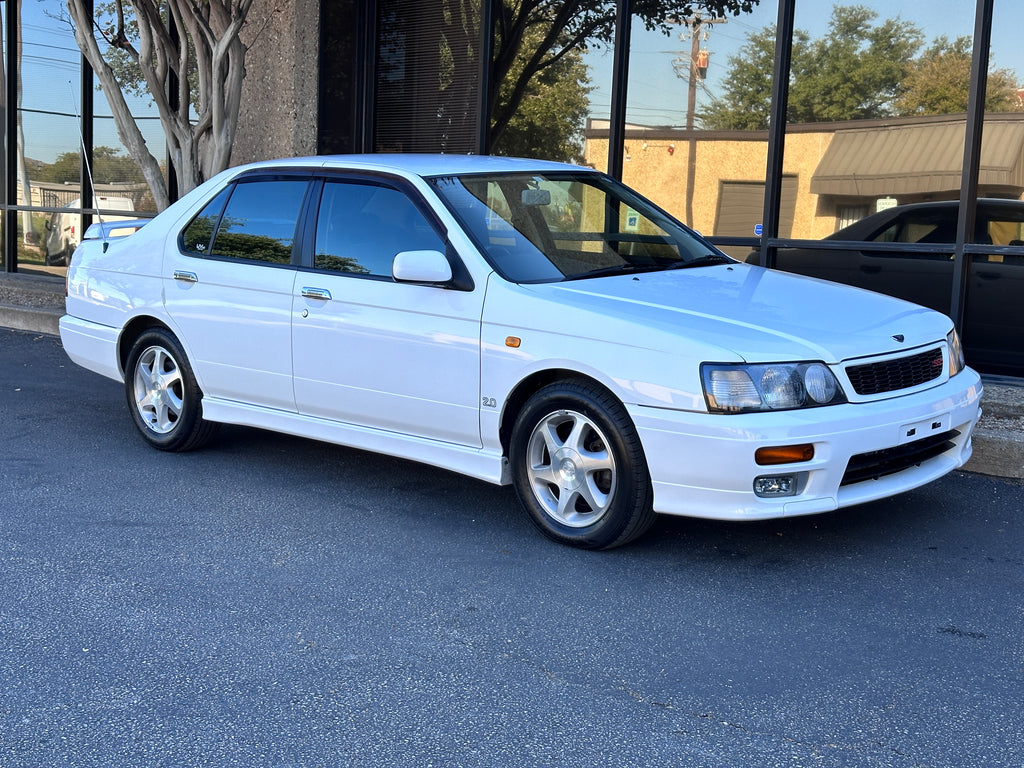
[88, 166]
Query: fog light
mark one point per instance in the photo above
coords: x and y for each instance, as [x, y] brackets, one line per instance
[771, 486]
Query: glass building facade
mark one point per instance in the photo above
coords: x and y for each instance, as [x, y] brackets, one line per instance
[766, 179]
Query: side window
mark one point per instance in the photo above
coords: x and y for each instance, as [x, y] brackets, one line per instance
[1002, 231]
[259, 221]
[920, 228]
[253, 220]
[198, 235]
[360, 228]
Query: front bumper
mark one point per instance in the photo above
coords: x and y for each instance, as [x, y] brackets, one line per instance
[702, 465]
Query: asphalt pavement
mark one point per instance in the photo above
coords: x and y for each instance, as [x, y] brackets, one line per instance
[271, 601]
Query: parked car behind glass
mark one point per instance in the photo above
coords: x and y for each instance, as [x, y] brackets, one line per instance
[522, 322]
[994, 324]
[64, 229]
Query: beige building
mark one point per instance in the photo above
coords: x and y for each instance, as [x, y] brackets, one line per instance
[833, 173]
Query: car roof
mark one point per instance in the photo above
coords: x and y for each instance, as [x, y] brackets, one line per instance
[425, 165]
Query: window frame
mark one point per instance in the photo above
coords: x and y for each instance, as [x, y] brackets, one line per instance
[298, 234]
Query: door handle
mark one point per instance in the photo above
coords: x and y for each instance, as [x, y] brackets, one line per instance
[186, 277]
[316, 293]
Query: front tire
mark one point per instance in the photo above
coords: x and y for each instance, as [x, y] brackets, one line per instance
[163, 397]
[578, 467]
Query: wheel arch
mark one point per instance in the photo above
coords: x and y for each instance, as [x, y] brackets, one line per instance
[529, 386]
[133, 329]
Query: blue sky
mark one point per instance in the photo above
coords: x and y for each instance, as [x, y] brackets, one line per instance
[657, 97]
[50, 88]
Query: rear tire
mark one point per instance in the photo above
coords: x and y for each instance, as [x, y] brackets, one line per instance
[578, 467]
[164, 399]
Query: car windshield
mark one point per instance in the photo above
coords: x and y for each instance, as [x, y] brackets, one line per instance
[545, 227]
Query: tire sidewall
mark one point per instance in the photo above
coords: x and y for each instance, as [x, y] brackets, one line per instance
[631, 494]
[191, 410]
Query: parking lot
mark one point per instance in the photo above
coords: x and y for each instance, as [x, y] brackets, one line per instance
[271, 601]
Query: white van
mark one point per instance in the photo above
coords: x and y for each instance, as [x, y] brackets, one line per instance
[64, 229]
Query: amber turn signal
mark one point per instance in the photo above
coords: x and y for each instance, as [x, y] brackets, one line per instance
[784, 454]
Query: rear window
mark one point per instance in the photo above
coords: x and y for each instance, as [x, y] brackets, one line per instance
[250, 221]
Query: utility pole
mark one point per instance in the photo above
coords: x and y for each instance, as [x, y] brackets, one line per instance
[694, 68]
[697, 70]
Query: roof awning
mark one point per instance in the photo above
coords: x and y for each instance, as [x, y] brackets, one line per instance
[915, 159]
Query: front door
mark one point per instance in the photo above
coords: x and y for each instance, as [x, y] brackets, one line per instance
[374, 352]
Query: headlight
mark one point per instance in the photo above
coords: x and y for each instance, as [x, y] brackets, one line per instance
[771, 387]
[956, 353]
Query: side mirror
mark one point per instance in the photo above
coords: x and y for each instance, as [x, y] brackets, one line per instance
[421, 267]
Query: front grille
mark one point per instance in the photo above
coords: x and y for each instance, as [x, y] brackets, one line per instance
[901, 373]
[875, 464]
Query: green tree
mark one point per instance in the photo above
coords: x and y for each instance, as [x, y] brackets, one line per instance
[939, 82]
[531, 36]
[853, 72]
[747, 103]
[550, 118]
[109, 167]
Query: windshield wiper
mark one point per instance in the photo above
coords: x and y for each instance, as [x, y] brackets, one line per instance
[618, 269]
[707, 260]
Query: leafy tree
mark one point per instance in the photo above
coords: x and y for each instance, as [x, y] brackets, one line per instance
[549, 121]
[853, 72]
[748, 84]
[196, 45]
[939, 82]
[109, 167]
[534, 35]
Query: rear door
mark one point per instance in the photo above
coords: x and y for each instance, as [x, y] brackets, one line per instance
[229, 290]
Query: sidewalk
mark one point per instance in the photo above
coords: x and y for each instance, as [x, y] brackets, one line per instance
[34, 302]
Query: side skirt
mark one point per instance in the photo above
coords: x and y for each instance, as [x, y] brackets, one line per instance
[473, 462]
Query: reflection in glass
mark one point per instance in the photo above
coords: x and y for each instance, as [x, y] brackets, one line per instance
[708, 173]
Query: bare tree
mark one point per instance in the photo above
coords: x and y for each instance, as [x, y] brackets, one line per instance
[191, 57]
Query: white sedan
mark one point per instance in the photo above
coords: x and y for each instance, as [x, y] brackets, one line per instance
[526, 323]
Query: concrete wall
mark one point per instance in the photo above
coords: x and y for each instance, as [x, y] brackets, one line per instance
[278, 117]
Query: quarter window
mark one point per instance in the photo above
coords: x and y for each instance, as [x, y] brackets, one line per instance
[198, 236]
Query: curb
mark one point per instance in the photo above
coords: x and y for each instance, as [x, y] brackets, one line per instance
[999, 437]
[35, 303]
[30, 319]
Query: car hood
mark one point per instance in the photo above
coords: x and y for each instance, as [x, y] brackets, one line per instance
[757, 314]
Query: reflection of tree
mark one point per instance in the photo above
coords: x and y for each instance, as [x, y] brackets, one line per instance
[859, 69]
[108, 167]
[548, 123]
[199, 233]
[853, 72]
[939, 82]
[340, 264]
[243, 245]
[533, 35]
